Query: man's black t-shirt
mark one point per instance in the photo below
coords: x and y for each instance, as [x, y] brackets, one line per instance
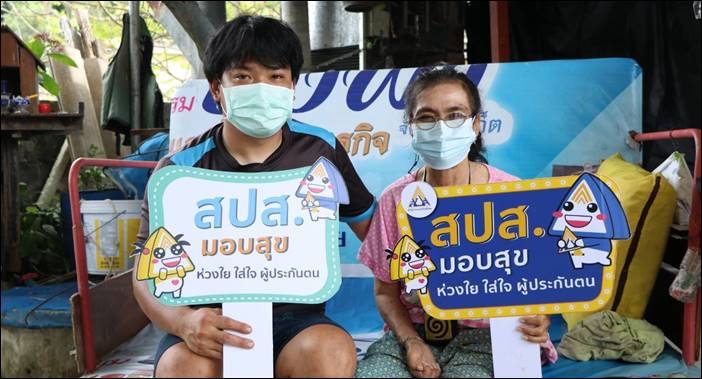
[301, 146]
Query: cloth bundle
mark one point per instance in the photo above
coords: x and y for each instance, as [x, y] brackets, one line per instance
[607, 335]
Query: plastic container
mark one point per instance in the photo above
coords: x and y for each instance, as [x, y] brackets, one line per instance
[110, 227]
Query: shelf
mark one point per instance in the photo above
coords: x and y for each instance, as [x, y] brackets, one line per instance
[42, 123]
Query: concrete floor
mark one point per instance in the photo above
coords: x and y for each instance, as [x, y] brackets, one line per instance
[28, 353]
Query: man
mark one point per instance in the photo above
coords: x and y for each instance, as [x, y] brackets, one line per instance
[252, 65]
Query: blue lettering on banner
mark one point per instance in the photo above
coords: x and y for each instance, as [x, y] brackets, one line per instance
[360, 83]
[324, 89]
[210, 211]
[342, 239]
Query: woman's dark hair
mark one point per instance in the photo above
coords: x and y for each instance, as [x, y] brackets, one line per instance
[442, 73]
[265, 40]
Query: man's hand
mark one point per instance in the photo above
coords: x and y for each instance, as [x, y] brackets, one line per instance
[535, 328]
[420, 359]
[205, 331]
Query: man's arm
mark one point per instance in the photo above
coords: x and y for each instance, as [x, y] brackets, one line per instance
[358, 213]
[360, 229]
[201, 329]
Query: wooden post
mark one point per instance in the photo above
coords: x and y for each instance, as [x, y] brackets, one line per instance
[86, 34]
[55, 176]
[74, 89]
[11, 262]
[95, 67]
[499, 31]
[94, 70]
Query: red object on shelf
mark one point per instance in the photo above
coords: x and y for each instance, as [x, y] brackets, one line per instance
[44, 108]
[29, 276]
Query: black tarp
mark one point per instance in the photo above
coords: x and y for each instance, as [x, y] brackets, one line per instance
[663, 37]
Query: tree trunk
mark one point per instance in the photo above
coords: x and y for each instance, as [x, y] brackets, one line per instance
[194, 22]
[215, 11]
[295, 14]
[181, 38]
[191, 24]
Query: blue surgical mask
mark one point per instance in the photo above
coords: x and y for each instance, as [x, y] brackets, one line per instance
[443, 147]
[258, 110]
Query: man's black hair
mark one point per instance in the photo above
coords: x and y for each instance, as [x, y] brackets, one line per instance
[265, 40]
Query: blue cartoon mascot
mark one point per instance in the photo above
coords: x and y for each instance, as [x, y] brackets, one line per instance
[322, 190]
[587, 220]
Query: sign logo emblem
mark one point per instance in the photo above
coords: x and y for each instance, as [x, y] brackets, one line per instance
[419, 199]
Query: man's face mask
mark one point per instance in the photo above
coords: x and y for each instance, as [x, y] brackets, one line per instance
[258, 110]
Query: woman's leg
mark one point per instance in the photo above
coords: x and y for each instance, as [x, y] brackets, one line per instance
[469, 355]
[385, 359]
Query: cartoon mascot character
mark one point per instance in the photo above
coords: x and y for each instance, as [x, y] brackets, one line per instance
[163, 258]
[409, 261]
[588, 218]
[322, 189]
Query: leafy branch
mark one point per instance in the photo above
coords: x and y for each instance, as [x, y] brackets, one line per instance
[38, 47]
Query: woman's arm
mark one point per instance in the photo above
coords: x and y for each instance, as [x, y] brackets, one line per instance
[396, 316]
[420, 359]
[535, 330]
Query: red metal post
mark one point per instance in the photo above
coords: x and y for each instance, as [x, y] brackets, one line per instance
[499, 31]
[691, 317]
[79, 247]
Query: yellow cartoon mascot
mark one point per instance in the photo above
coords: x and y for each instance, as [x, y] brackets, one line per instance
[163, 258]
[410, 261]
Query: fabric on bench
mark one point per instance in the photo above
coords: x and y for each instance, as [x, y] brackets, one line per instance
[38, 307]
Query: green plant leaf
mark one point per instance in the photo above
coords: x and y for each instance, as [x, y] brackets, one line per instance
[63, 59]
[49, 83]
[37, 47]
[50, 230]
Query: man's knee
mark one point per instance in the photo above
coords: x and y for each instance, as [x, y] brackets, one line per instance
[179, 362]
[338, 347]
[333, 350]
[326, 350]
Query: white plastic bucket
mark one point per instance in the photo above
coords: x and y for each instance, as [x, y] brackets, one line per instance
[110, 228]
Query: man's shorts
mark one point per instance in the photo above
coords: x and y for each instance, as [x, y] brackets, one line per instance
[285, 327]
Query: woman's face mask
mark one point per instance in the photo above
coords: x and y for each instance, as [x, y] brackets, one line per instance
[443, 146]
[259, 110]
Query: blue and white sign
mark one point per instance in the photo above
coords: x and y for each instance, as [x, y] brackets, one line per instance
[535, 115]
[487, 250]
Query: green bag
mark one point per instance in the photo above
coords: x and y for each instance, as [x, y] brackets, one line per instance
[117, 98]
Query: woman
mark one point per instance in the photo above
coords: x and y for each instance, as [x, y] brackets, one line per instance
[443, 110]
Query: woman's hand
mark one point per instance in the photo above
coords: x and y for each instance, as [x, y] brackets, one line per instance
[535, 328]
[420, 359]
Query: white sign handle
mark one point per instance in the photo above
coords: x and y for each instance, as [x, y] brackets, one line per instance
[256, 362]
[512, 356]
